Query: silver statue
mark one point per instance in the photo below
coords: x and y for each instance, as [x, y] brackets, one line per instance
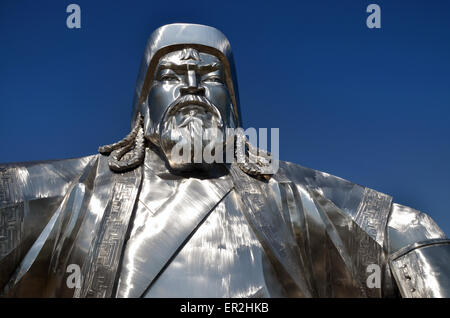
[133, 222]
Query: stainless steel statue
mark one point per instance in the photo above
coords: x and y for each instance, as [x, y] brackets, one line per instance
[137, 223]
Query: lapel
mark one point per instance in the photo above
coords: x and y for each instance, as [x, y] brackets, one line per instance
[108, 248]
[98, 245]
[161, 233]
[270, 226]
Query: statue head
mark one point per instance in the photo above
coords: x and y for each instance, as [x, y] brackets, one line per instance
[186, 86]
[200, 57]
[186, 82]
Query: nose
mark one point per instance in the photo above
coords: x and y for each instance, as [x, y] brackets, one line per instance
[191, 85]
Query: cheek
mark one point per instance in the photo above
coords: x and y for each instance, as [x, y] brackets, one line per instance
[159, 98]
[219, 96]
[163, 92]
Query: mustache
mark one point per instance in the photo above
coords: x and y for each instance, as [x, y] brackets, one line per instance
[189, 100]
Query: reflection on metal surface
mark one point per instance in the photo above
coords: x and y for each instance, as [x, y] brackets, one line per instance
[137, 226]
[222, 259]
[407, 226]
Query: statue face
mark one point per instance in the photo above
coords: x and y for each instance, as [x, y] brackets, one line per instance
[188, 92]
[186, 72]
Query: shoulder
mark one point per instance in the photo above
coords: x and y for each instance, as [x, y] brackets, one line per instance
[345, 194]
[407, 226]
[26, 181]
[30, 193]
[374, 211]
[368, 208]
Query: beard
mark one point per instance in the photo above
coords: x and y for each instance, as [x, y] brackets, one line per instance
[191, 133]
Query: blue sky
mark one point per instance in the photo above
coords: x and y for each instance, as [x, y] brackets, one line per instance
[368, 105]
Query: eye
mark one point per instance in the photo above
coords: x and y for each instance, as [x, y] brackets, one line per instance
[168, 78]
[213, 79]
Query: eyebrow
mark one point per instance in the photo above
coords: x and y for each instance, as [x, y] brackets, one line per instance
[182, 67]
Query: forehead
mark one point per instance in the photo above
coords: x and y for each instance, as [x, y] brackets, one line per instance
[189, 56]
